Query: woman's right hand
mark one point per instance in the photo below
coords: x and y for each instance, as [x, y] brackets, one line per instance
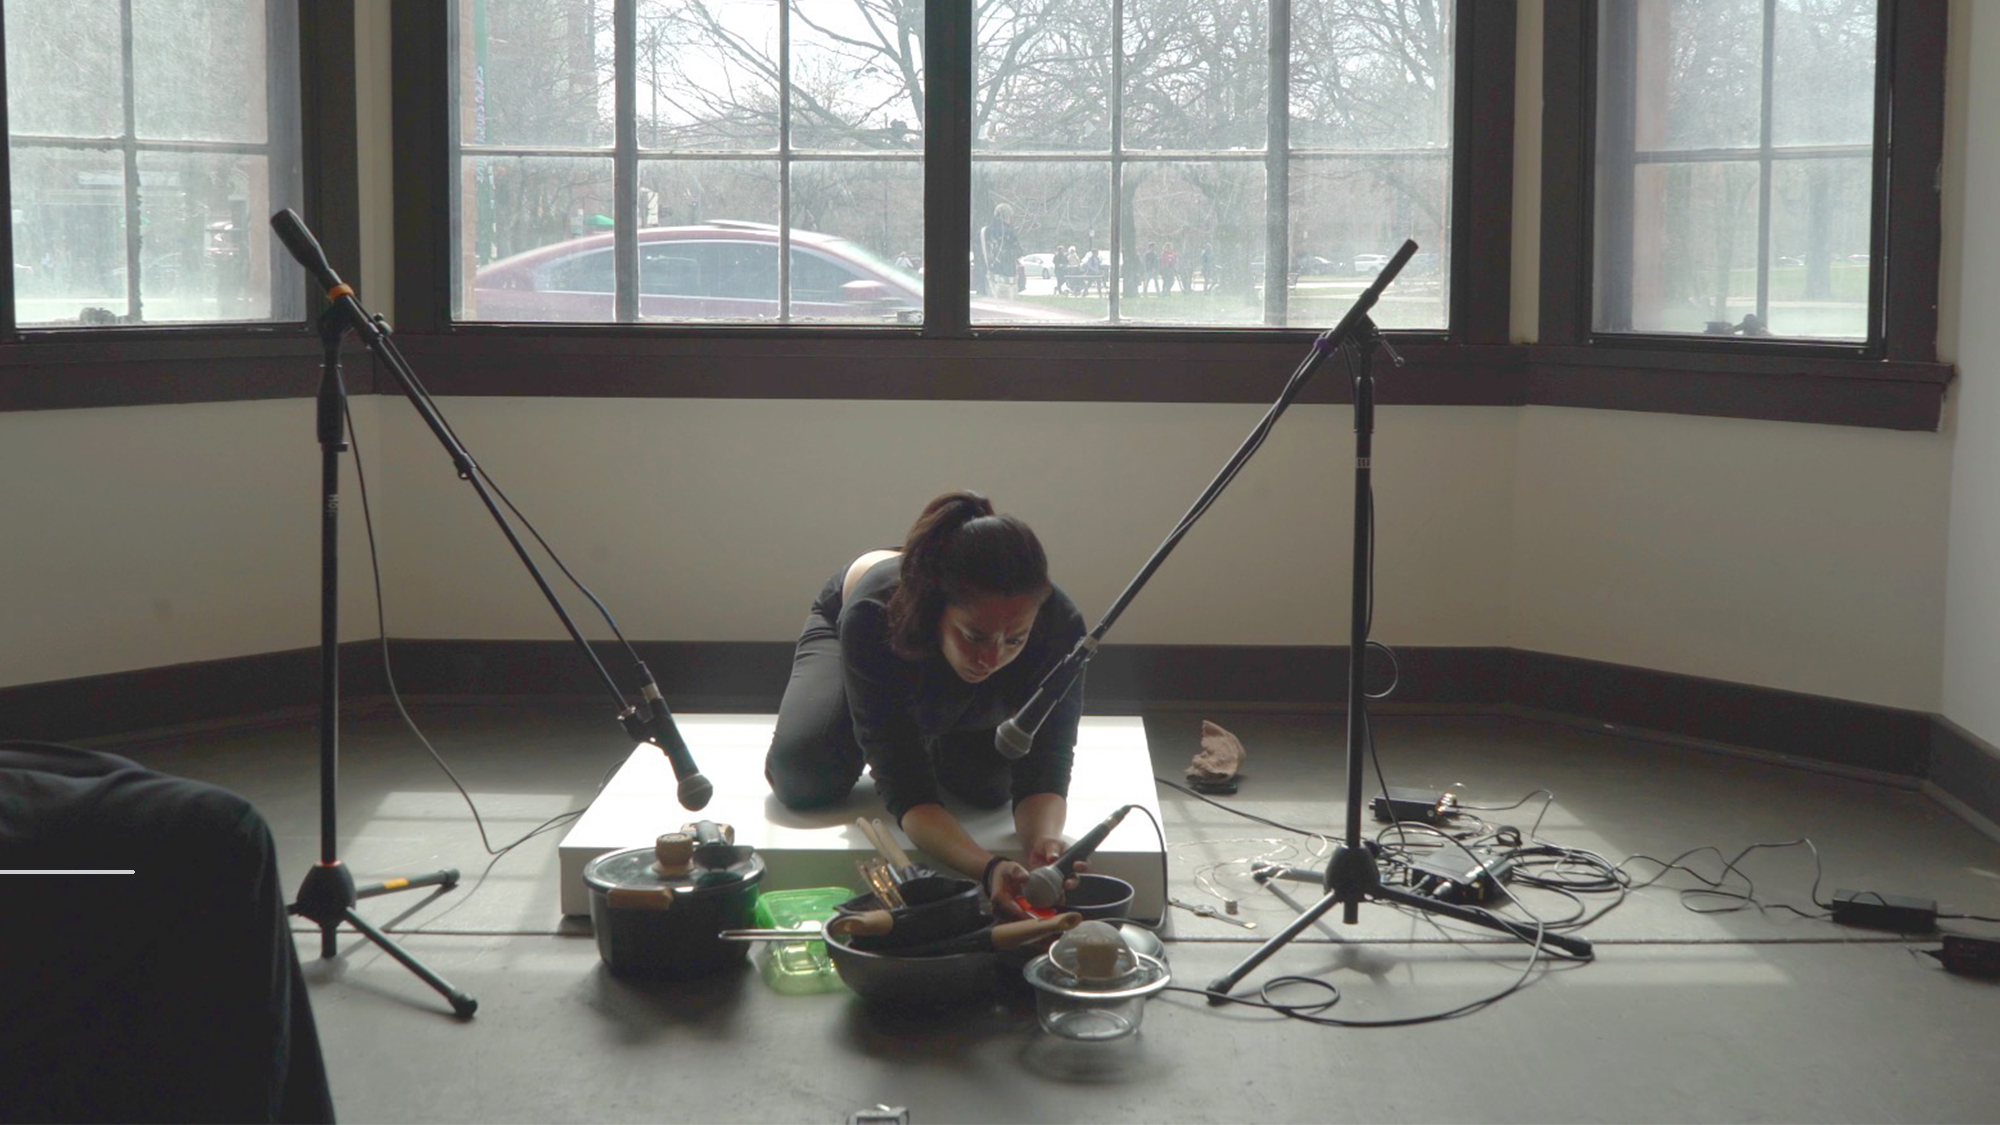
[1005, 885]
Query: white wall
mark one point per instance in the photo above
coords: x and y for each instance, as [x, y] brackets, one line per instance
[1802, 557]
[706, 519]
[1971, 693]
[143, 536]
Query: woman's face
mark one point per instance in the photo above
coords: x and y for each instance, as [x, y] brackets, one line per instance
[985, 634]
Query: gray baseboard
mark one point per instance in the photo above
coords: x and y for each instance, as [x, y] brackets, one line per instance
[750, 676]
[1966, 767]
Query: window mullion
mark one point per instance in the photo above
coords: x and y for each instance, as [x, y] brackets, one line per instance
[9, 331]
[130, 150]
[625, 161]
[785, 162]
[1113, 271]
[1277, 164]
[1765, 165]
[948, 92]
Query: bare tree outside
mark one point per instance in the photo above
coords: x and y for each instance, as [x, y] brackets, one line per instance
[823, 102]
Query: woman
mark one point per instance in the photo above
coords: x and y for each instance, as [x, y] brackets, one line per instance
[909, 660]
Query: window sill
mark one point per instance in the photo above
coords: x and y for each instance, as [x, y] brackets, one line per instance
[62, 370]
[1779, 387]
[46, 373]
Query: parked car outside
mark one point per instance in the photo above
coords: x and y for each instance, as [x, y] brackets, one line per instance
[717, 271]
[1039, 265]
[1370, 263]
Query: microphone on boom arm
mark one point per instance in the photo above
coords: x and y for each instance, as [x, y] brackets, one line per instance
[695, 789]
[1015, 737]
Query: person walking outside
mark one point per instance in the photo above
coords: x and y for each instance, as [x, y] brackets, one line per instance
[1002, 249]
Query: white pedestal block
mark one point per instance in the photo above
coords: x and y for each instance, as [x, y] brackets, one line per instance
[819, 848]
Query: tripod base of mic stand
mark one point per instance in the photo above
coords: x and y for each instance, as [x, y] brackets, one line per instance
[327, 897]
[1351, 879]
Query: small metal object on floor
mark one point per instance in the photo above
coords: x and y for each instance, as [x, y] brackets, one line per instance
[880, 1115]
[1211, 912]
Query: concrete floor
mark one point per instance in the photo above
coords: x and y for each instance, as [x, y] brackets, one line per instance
[1684, 1016]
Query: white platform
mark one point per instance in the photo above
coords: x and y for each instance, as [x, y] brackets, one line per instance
[819, 848]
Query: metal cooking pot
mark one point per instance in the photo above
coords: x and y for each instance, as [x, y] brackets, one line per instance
[940, 974]
[657, 910]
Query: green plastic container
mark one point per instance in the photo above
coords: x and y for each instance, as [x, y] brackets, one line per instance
[799, 966]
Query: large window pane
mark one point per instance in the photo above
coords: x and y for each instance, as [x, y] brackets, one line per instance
[1735, 167]
[1367, 140]
[152, 210]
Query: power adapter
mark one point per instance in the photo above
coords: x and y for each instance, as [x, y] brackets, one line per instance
[1969, 956]
[1425, 806]
[1878, 911]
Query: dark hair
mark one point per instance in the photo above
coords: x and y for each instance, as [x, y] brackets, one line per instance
[960, 549]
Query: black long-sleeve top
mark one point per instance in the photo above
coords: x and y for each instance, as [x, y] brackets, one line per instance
[902, 708]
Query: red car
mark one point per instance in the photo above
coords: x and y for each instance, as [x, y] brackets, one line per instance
[719, 271]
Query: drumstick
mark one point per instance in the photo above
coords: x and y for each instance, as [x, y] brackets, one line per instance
[886, 840]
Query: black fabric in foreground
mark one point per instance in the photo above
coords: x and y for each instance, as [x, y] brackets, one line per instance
[171, 994]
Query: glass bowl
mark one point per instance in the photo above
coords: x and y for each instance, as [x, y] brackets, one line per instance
[1111, 1010]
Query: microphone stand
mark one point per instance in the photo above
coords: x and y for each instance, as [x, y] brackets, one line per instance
[328, 894]
[1352, 877]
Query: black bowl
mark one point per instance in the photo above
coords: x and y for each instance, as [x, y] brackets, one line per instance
[1098, 896]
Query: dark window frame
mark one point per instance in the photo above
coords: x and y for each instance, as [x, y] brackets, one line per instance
[947, 358]
[1894, 382]
[62, 368]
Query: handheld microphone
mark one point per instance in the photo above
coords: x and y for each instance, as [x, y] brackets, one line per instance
[1045, 884]
[694, 789]
[1015, 737]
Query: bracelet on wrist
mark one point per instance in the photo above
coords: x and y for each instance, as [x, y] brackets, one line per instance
[986, 877]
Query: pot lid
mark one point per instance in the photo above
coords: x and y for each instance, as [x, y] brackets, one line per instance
[638, 869]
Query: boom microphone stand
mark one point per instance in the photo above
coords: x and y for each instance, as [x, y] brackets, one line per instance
[328, 895]
[1351, 877]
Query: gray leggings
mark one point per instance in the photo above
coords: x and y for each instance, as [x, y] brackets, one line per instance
[814, 759]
